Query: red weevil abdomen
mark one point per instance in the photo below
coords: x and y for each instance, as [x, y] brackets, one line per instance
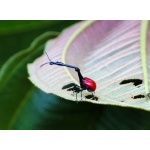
[89, 84]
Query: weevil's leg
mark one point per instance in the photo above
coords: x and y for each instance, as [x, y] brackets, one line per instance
[80, 76]
[81, 90]
[93, 94]
[76, 95]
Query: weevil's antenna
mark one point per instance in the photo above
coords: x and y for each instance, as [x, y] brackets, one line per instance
[47, 62]
[44, 64]
[47, 56]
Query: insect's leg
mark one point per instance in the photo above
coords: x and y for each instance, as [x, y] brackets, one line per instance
[76, 95]
[92, 93]
[73, 93]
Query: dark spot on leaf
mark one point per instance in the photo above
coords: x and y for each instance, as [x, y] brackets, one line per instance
[92, 97]
[89, 96]
[134, 81]
[122, 101]
[138, 96]
[148, 94]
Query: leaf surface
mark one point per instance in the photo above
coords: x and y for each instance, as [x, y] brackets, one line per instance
[108, 52]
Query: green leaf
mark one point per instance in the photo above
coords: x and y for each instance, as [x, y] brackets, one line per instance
[13, 78]
[39, 110]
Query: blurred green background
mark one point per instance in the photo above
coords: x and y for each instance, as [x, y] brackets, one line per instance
[18, 35]
[23, 106]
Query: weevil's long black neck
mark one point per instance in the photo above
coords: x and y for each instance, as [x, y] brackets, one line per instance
[70, 66]
[80, 77]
